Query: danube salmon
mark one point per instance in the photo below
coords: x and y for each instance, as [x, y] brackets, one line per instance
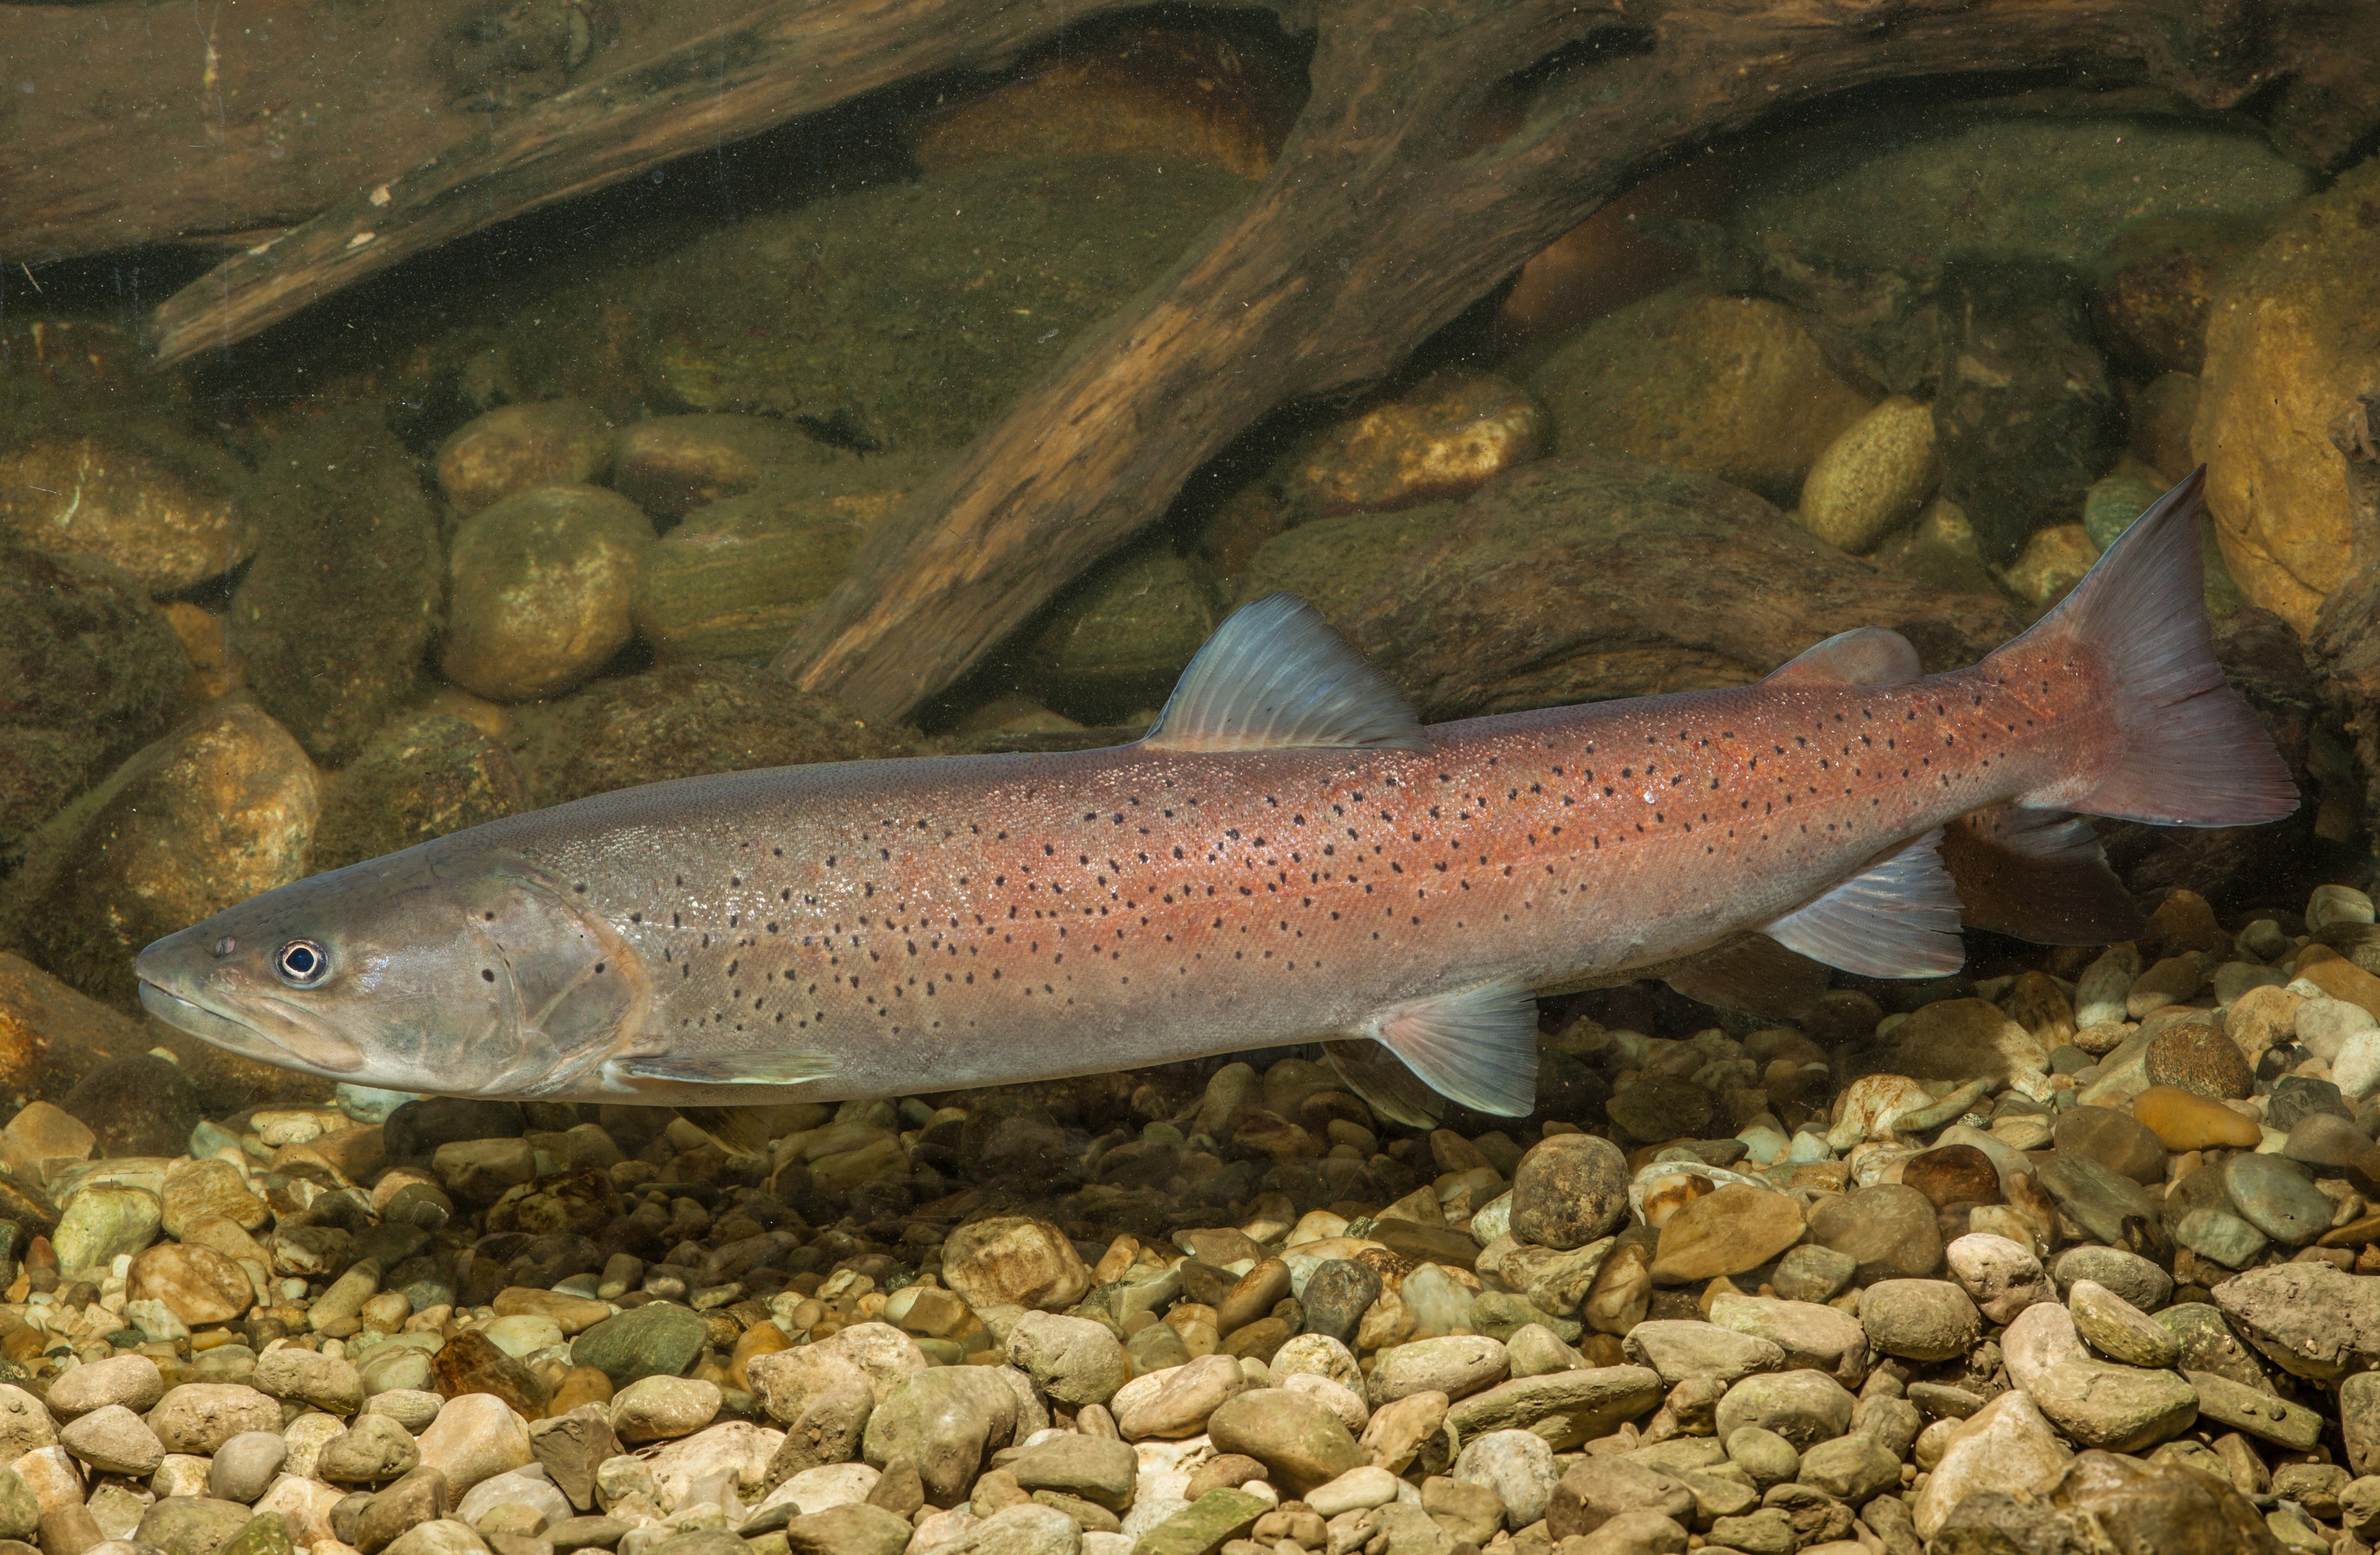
[1288, 855]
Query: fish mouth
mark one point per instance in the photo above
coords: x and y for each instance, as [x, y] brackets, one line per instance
[321, 1052]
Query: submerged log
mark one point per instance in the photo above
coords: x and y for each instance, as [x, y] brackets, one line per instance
[1442, 144]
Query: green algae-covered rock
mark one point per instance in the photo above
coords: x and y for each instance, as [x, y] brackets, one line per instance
[335, 613]
[685, 720]
[1333, 563]
[659, 1339]
[87, 675]
[1117, 643]
[424, 775]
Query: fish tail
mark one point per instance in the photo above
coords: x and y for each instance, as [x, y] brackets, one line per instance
[2189, 750]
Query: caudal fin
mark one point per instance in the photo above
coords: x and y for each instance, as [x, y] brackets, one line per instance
[2192, 751]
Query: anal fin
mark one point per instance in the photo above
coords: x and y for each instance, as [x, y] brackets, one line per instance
[1897, 919]
[1477, 1046]
[2038, 875]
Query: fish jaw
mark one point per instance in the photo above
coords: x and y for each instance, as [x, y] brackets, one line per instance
[181, 986]
[450, 969]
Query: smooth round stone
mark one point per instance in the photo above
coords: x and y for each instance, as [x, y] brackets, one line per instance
[2278, 1198]
[2199, 1059]
[1805, 1407]
[1768, 1458]
[244, 1467]
[2130, 1275]
[2117, 1141]
[2326, 1139]
[2221, 1237]
[1872, 478]
[1814, 1273]
[1569, 1190]
[2117, 1329]
[2183, 1120]
[1953, 1175]
[1727, 1232]
[515, 447]
[1890, 1231]
[1920, 1320]
[541, 585]
[517, 1336]
[658, 1338]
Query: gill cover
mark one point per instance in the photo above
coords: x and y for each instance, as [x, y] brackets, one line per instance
[576, 988]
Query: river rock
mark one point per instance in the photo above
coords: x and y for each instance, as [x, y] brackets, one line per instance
[1444, 437]
[1467, 624]
[346, 535]
[1300, 1442]
[475, 1437]
[114, 1439]
[1888, 1228]
[2002, 1277]
[2122, 1408]
[221, 810]
[422, 776]
[735, 578]
[1013, 1261]
[164, 510]
[1730, 386]
[1569, 1190]
[2289, 345]
[1872, 478]
[2278, 1197]
[1726, 1232]
[2005, 1445]
[541, 589]
[200, 1416]
[1119, 639]
[945, 1420]
[98, 675]
[1811, 1335]
[518, 447]
[133, 1382]
[1920, 1320]
[684, 720]
[1803, 1407]
[659, 1338]
[104, 1222]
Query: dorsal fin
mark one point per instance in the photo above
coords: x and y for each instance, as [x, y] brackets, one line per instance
[1275, 677]
[1863, 656]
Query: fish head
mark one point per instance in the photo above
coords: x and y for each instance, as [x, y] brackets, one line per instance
[445, 969]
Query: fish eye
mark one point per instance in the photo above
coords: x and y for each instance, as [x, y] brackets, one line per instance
[302, 963]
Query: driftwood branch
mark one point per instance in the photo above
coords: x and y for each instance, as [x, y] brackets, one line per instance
[1382, 220]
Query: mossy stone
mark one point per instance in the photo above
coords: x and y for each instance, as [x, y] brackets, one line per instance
[1333, 563]
[684, 720]
[1115, 644]
[659, 1339]
[88, 675]
[335, 615]
[424, 775]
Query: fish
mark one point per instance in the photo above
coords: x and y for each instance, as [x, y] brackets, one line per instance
[1287, 855]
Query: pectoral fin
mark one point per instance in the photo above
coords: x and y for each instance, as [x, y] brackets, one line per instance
[786, 1068]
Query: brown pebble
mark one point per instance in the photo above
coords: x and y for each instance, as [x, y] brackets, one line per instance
[580, 1384]
[2201, 1059]
[1953, 1175]
[1225, 1471]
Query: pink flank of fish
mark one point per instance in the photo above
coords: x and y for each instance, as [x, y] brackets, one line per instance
[1289, 856]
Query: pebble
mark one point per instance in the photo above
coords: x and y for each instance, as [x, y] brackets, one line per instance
[245, 1467]
[2121, 1408]
[375, 1449]
[1954, 1175]
[2200, 1060]
[1726, 1232]
[658, 1338]
[540, 585]
[1013, 1261]
[1814, 1273]
[2006, 1446]
[664, 1408]
[114, 1439]
[517, 447]
[2117, 1329]
[2278, 1197]
[2185, 1122]
[1920, 1320]
[1872, 478]
[1888, 1229]
[1803, 1407]
[2000, 1276]
[133, 1382]
[474, 1438]
[1569, 1190]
